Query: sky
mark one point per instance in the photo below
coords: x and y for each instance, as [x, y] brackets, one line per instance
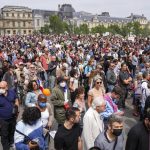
[116, 8]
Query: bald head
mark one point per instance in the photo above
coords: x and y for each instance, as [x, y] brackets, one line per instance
[3, 84]
[3, 87]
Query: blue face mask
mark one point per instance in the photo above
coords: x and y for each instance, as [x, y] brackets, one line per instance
[42, 104]
[115, 101]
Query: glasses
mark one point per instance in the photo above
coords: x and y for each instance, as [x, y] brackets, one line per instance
[98, 82]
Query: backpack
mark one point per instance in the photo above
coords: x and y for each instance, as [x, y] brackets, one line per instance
[139, 91]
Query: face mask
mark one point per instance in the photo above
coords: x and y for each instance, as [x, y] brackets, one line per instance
[2, 91]
[42, 105]
[117, 132]
[63, 84]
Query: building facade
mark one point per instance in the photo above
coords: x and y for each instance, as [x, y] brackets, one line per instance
[16, 20]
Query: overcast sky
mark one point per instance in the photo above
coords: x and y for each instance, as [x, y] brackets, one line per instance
[118, 8]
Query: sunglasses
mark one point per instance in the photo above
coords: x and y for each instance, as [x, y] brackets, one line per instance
[98, 82]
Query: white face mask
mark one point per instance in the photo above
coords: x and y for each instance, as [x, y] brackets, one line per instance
[62, 84]
[2, 91]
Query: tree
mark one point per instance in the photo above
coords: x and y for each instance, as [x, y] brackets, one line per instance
[45, 29]
[145, 32]
[56, 24]
[84, 29]
[136, 30]
[114, 29]
[99, 29]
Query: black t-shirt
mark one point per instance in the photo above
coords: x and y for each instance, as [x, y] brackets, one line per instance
[123, 76]
[66, 139]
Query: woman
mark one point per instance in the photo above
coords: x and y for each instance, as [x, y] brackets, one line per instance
[97, 90]
[136, 100]
[29, 131]
[80, 103]
[46, 116]
[33, 93]
[73, 84]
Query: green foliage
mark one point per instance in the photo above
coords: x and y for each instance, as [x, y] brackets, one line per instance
[98, 29]
[45, 29]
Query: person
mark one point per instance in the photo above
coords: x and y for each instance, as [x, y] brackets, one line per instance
[134, 63]
[112, 98]
[29, 130]
[138, 136]
[92, 122]
[112, 138]
[11, 78]
[60, 99]
[80, 103]
[73, 84]
[32, 95]
[47, 116]
[68, 136]
[124, 82]
[8, 103]
[97, 90]
[52, 71]
[111, 77]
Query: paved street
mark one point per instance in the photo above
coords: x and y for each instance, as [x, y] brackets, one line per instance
[129, 121]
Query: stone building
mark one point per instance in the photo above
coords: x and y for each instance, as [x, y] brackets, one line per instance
[41, 18]
[16, 20]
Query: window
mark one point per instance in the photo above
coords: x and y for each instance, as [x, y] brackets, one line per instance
[8, 31]
[38, 22]
[29, 15]
[14, 31]
[23, 14]
[13, 23]
[13, 15]
[18, 24]
[7, 15]
[18, 15]
[24, 24]
[24, 31]
[29, 31]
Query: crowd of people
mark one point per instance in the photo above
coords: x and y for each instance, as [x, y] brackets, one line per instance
[90, 77]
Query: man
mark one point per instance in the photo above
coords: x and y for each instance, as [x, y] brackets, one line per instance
[124, 82]
[8, 99]
[111, 77]
[112, 99]
[138, 136]
[68, 136]
[92, 122]
[112, 138]
[60, 99]
[52, 71]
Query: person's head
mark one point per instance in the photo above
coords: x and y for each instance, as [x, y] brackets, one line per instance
[42, 99]
[145, 75]
[3, 87]
[53, 58]
[97, 81]
[37, 58]
[91, 62]
[73, 115]
[146, 65]
[80, 93]
[18, 56]
[31, 115]
[46, 51]
[61, 82]
[99, 104]
[111, 66]
[139, 76]
[73, 73]
[21, 66]
[115, 125]
[64, 66]
[123, 66]
[32, 86]
[116, 93]
[147, 118]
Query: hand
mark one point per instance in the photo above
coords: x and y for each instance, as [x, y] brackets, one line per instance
[32, 145]
[49, 125]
